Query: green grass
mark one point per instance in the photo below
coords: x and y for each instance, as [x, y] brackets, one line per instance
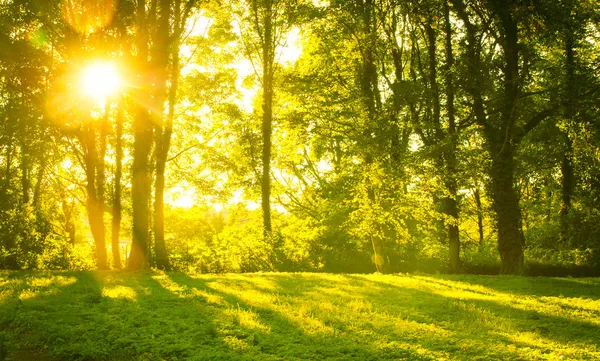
[279, 316]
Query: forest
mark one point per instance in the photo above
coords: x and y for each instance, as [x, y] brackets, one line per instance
[232, 136]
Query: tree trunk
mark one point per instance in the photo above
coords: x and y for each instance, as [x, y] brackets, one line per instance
[506, 204]
[268, 58]
[116, 211]
[163, 138]
[38, 185]
[500, 139]
[140, 189]
[479, 215]
[142, 144]
[450, 152]
[568, 176]
[95, 211]
[25, 181]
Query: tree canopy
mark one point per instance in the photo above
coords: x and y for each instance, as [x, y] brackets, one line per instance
[300, 135]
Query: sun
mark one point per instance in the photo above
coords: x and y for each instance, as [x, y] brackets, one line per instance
[100, 80]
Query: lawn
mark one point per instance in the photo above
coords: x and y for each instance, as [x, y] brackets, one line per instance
[282, 316]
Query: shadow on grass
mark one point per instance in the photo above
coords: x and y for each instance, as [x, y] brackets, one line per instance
[500, 314]
[174, 316]
[351, 323]
[536, 286]
[267, 333]
[109, 316]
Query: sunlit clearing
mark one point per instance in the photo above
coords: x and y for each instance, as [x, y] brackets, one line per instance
[100, 80]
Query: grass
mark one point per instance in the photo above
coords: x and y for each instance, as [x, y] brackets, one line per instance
[279, 316]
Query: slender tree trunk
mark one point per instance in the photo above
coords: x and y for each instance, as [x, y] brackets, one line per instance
[440, 203]
[95, 216]
[450, 152]
[268, 58]
[25, 181]
[568, 173]
[11, 260]
[142, 144]
[116, 211]
[479, 215]
[100, 185]
[369, 89]
[38, 185]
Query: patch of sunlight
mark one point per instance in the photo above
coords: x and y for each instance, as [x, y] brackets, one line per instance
[248, 319]
[235, 343]
[301, 315]
[171, 286]
[209, 297]
[576, 303]
[558, 307]
[52, 281]
[418, 329]
[45, 286]
[360, 306]
[420, 351]
[119, 292]
[27, 294]
[254, 297]
[344, 290]
[547, 348]
[460, 285]
[259, 282]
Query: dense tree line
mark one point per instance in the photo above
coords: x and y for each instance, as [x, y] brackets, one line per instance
[246, 135]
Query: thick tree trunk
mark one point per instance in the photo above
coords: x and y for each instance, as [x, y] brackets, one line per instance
[267, 120]
[142, 144]
[500, 140]
[164, 129]
[116, 211]
[140, 189]
[506, 204]
[505, 196]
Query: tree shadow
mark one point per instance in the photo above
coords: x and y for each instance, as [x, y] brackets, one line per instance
[268, 333]
[499, 320]
[366, 329]
[535, 286]
[109, 316]
[174, 316]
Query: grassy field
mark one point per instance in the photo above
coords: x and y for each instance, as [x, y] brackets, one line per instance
[176, 316]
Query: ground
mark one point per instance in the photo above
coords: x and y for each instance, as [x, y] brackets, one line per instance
[285, 316]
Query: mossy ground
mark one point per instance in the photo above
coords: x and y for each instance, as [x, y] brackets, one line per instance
[278, 316]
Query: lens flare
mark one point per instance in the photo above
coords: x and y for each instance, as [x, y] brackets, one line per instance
[100, 80]
[87, 16]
